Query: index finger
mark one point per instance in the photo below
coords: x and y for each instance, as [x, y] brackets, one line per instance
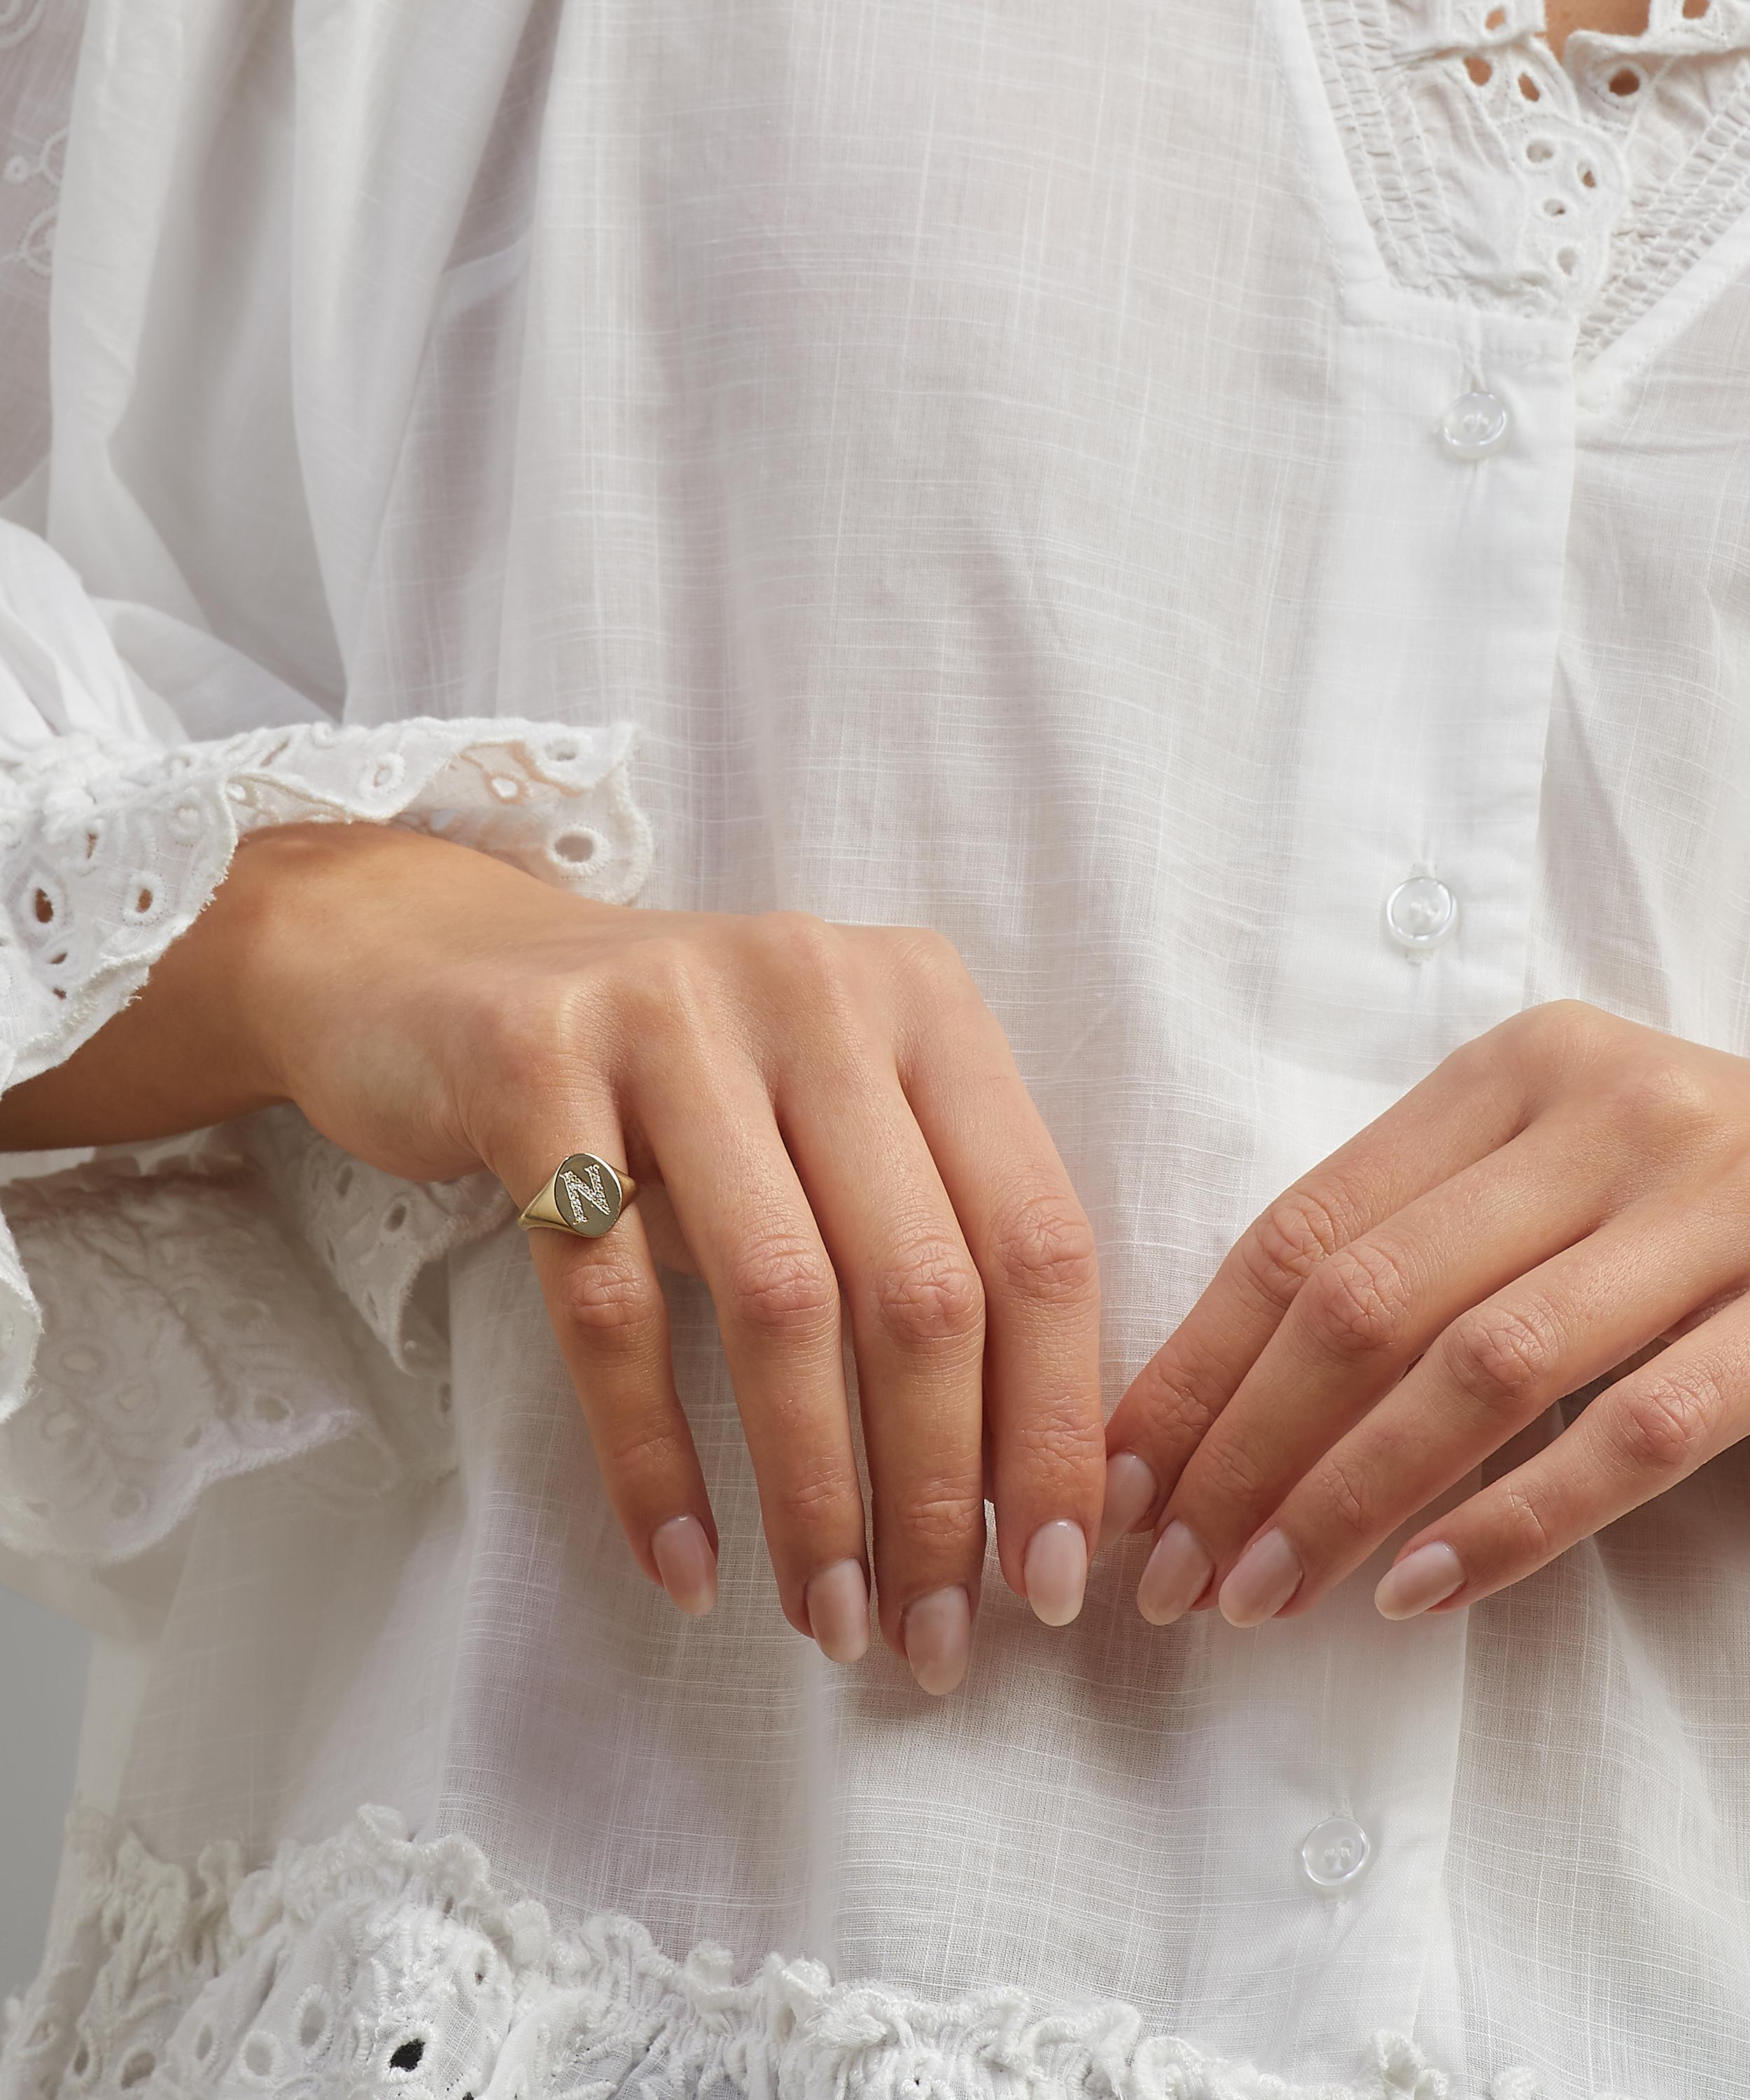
[1466, 1109]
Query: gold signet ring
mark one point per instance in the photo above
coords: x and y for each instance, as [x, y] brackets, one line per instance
[585, 1196]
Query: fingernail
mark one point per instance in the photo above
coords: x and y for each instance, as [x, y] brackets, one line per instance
[686, 1563]
[1056, 1571]
[838, 1610]
[1174, 1580]
[938, 1634]
[1261, 1581]
[1130, 1490]
[1420, 1579]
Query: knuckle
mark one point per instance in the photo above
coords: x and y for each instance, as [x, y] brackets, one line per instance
[611, 1307]
[1061, 1435]
[1666, 1424]
[1357, 1302]
[937, 1518]
[802, 945]
[928, 1295]
[1297, 1233]
[1564, 1032]
[1043, 1251]
[1663, 1102]
[1527, 1532]
[663, 1002]
[924, 952]
[1226, 1476]
[782, 1287]
[1345, 1495]
[1178, 1395]
[1503, 1357]
[810, 1498]
[638, 1454]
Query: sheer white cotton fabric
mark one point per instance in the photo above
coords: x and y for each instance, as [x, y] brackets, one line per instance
[962, 464]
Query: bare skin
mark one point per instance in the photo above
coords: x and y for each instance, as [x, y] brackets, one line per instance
[1610, 18]
[830, 1129]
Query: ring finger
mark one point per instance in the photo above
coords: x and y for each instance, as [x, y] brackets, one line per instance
[612, 1323]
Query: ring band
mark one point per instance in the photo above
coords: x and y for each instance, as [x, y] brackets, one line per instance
[584, 1196]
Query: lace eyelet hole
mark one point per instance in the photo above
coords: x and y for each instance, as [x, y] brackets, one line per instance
[1481, 72]
[1693, 10]
[313, 2020]
[1495, 19]
[1587, 176]
[576, 847]
[1625, 82]
[1540, 150]
[343, 1181]
[395, 1218]
[1567, 260]
[1529, 88]
[1554, 207]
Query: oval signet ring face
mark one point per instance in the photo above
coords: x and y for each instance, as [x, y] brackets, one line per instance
[585, 1196]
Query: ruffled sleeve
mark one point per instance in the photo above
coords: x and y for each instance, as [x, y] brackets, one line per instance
[172, 1315]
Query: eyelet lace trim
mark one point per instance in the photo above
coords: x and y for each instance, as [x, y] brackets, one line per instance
[210, 1308]
[369, 1962]
[1491, 172]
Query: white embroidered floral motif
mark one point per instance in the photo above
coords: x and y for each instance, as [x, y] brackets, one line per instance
[1598, 179]
[372, 1964]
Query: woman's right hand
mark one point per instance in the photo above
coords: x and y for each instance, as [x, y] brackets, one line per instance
[809, 1110]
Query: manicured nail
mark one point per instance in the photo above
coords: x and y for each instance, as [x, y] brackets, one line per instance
[938, 1635]
[1130, 1490]
[686, 1563]
[1420, 1579]
[1261, 1581]
[1174, 1578]
[1056, 1571]
[838, 1610]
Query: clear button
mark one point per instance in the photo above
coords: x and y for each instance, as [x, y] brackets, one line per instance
[1334, 1852]
[1475, 425]
[1420, 913]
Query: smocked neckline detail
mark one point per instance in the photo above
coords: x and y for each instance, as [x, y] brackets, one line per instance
[1493, 173]
[372, 1961]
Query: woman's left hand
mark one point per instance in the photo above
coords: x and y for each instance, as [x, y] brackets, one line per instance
[1557, 1196]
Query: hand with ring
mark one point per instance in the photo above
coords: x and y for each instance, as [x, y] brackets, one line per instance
[823, 1122]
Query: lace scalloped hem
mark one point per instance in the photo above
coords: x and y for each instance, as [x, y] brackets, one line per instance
[370, 1963]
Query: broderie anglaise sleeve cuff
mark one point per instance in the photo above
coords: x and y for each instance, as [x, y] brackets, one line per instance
[195, 1312]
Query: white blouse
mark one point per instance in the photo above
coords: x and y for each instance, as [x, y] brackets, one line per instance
[1238, 512]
